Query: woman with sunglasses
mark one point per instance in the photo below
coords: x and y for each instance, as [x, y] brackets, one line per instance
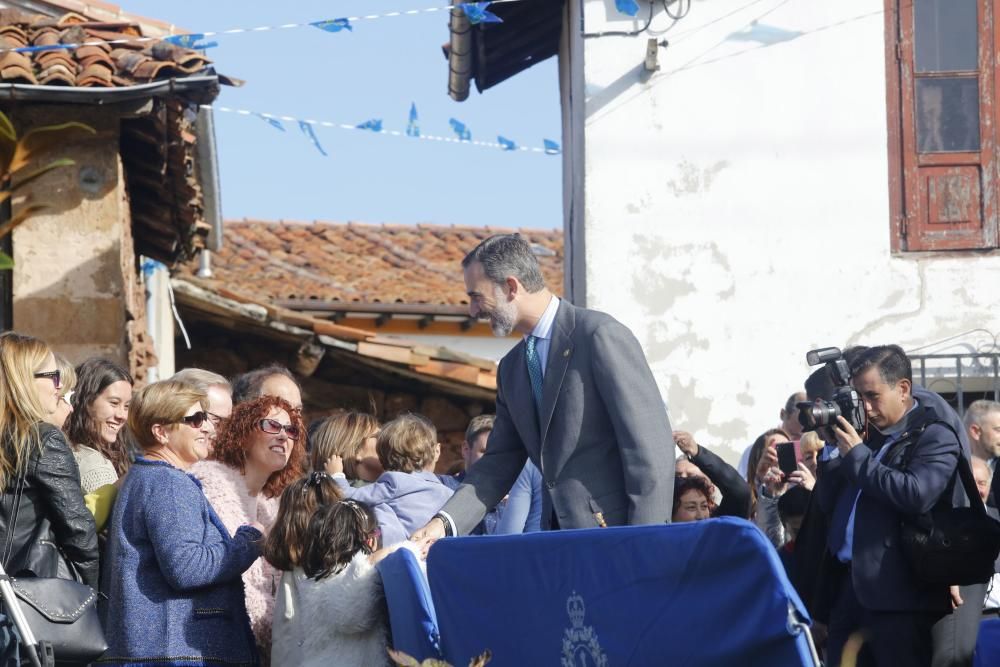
[96, 427]
[54, 535]
[259, 451]
[172, 569]
[67, 383]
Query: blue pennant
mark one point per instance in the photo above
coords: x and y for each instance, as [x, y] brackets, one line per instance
[51, 47]
[375, 125]
[333, 25]
[413, 128]
[507, 144]
[551, 147]
[476, 13]
[464, 134]
[628, 7]
[273, 122]
[190, 41]
[307, 129]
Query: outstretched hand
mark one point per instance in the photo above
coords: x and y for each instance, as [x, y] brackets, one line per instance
[686, 443]
[433, 531]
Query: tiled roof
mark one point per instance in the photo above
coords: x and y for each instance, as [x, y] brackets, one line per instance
[361, 263]
[447, 369]
[99, 64]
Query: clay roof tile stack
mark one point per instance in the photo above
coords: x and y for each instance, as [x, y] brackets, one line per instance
[98, 63]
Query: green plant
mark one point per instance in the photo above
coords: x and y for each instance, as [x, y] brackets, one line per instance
[19, 159]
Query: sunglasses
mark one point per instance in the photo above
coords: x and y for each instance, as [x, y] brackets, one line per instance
[55, 376]
[273, 426]
[196, 420]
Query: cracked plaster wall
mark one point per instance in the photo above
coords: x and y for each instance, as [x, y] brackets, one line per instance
[737, 209]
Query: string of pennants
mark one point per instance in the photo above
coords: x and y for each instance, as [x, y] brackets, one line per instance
[475, 12]
[462, 133]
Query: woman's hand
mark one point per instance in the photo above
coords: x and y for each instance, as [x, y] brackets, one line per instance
[768, 460]
[775, 483]
[803, 477]
[334, 465]
[685, 442]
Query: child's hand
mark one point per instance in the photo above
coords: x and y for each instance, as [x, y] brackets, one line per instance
[334, 465]
[424, 545]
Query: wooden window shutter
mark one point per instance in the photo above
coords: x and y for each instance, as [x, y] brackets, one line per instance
[946, 190]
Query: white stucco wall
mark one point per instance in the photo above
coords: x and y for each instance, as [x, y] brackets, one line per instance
[737, 206]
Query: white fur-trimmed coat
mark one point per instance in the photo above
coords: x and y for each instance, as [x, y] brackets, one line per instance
[339, 621]
[227, 492]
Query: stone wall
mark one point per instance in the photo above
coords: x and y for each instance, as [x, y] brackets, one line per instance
[75, 279]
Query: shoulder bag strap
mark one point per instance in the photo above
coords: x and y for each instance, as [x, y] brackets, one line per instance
[18, 492]
[963, 470]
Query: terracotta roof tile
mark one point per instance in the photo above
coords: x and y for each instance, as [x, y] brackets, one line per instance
[100, 65]
[360, 263]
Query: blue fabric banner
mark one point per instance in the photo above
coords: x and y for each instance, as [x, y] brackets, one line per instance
[710, 593]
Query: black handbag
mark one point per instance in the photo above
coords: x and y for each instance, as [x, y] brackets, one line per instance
[956, 546]
[60, 612]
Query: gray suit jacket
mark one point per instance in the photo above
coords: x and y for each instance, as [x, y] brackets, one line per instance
[602, 443]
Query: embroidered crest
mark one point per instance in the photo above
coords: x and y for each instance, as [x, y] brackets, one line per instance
[580, 645]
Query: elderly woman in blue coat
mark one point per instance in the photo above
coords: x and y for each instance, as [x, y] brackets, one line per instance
[172, 570]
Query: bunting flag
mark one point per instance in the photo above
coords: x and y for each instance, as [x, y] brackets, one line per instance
[462, 135]
[476, 12]
[191, 41]
[412, 127]
[307, 129]
[375, 125]
[273, 122]
[627, 7]
[461, 131]
[334, 25]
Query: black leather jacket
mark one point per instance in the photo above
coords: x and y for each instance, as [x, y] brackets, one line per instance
[54, 526]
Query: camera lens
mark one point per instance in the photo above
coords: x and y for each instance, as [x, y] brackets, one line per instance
[817, 414]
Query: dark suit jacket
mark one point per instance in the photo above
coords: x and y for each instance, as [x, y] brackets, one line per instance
[736, 499]
[917, 475]
[602, 443]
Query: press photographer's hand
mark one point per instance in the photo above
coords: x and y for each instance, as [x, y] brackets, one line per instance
[847, 437]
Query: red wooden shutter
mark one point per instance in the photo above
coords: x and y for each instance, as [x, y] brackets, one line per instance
[948, 160]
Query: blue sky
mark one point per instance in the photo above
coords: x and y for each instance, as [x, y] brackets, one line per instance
[376, 71]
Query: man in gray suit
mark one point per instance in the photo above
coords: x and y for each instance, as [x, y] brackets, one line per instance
[575, 396]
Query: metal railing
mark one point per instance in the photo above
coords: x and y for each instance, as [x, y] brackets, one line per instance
[959, 378]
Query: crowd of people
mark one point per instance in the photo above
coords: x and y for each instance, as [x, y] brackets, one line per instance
[226, 531]
[221, 530]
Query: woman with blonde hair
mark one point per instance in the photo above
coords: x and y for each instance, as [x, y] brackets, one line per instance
[351, 436]
[55, 534]
[172, 575]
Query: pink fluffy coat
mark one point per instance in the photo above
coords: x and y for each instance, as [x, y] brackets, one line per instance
[227, 492]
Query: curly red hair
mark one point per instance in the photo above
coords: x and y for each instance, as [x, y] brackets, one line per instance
[234, 439]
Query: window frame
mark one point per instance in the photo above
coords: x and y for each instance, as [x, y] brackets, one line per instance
[911, 200]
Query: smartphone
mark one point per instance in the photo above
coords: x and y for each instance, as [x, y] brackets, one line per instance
[789, 455]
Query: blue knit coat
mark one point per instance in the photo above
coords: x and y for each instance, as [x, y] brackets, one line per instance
[172, 576]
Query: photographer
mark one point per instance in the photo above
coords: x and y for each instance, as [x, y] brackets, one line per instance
[905, 467]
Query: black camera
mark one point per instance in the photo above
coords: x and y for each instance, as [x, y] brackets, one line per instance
[842, 399]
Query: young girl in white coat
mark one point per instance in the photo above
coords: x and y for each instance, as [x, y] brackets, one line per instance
[330, 609]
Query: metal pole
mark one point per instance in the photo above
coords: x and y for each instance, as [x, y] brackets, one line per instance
[13, 606]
